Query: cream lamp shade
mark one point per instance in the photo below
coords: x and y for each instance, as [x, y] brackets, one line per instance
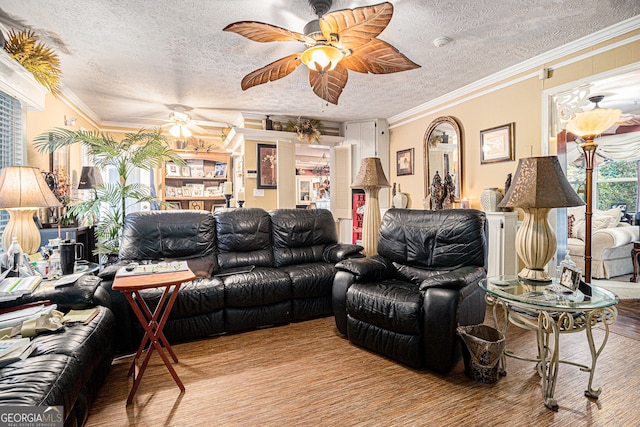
[538, 186]
[588, 125]
[22, 191]
[370, 178]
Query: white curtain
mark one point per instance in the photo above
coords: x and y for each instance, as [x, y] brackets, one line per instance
[624, 146]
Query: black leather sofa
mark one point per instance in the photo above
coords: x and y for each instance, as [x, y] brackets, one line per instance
[291, 255]
[406, 302]
[68, 366]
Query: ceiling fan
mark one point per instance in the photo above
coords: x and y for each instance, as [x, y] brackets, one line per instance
[181, 126]
[336, 41]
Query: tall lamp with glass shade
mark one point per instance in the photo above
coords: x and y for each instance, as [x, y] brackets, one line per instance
[22, 191]
[538, 186]
[370, 178]
[588, 125]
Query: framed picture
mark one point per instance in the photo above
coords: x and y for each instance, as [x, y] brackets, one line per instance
[197, 190]
[172, 169]
[169, 191]
[267, 166]
[404, 162]
[175, 205]
[186, 191]
[220, 170]
[498, 144]
[186, 171]
[196, 205]
[570, 278]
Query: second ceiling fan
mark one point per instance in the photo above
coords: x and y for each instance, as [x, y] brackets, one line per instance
[336, 41]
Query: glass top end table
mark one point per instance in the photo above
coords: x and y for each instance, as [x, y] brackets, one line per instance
[534, 306]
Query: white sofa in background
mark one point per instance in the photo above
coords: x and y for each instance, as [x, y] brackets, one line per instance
[611, 242]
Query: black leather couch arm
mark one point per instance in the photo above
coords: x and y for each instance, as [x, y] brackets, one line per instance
[455, 279]
[367, 269]
[339, 251]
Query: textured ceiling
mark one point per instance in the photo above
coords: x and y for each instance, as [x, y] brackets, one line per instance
[132, 61]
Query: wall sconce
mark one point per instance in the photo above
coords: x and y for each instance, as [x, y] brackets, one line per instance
[70, 122]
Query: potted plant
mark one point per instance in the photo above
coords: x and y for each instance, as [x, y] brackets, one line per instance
[143, 149]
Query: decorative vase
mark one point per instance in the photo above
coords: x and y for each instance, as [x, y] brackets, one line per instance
[400, 200]
[437, 192]
[490, 198]
[267, 124]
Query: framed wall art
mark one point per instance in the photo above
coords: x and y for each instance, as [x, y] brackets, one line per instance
[404, 162]
[267, 166]
[498, 144]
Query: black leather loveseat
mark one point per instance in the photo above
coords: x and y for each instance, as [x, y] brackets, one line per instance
[254, 268]
[67, 367]
[406, 302]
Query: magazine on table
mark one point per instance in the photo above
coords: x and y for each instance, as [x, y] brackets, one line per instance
[13, 350]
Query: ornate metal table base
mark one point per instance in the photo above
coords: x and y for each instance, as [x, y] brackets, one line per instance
[548, 329]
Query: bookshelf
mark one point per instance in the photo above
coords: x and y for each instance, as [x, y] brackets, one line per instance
[197, 184]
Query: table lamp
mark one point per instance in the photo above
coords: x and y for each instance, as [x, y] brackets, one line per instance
[538, 186]
[588, 125]
[370, 178]
[90, 177]
[22, 191]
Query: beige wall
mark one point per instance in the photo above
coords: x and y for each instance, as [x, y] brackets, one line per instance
[520, 102]
[270, 199]
[53, 117]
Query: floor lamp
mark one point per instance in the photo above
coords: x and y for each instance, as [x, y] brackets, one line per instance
[588, 125]
[538, 186]
[370, 178]
[22, 191]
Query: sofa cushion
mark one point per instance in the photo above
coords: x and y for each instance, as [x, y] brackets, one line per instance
[390, 304]
[311, 280]
[261, 286]
[300, 236]
[156, 235]
[244, 237]
[200, 296]
[600, 219]
[444, 239]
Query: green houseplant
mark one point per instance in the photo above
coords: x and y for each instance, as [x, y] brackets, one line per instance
[144, 149]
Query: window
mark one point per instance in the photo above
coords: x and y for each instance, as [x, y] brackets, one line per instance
[614, 182]
[11, 149]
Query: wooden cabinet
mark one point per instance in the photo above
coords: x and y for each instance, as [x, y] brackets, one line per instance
[199, 183]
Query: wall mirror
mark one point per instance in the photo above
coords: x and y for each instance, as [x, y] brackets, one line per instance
[443, 153]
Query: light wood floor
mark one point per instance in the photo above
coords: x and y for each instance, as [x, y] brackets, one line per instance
[304, 374]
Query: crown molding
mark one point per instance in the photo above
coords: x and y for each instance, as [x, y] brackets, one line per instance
[19, 83]
[541, 60]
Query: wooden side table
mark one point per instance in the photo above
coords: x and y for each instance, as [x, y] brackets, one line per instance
[152, 322]
[634, 257]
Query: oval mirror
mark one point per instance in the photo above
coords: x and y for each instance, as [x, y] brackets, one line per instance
[443, 153]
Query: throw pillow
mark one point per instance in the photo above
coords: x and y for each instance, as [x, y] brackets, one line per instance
[570, 220]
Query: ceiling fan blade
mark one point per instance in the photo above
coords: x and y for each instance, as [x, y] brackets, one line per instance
[356, 26]
[274, 71]
[261, 32]
[378, 57]
[328, 85]
[197, 129]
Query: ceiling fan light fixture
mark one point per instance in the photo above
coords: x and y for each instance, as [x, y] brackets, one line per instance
[178, 130]
[321, 57]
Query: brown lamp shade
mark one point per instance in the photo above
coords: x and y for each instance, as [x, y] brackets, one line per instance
[24, 187]
[89, 178]
[539, 182]
[370, 174]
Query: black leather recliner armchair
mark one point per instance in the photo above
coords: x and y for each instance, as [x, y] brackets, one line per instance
[406, 302]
